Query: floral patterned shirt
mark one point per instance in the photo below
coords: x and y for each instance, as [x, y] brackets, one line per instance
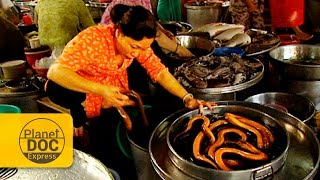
[105, 19]
[60, 20]
[92, 55]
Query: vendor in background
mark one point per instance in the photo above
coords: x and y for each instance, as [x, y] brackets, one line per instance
[60, 20]
[91, 73]
[12, 42]
[248, 13]
[169, 10]
[165, 38]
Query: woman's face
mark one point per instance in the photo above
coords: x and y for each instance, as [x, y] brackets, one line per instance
[130, 47]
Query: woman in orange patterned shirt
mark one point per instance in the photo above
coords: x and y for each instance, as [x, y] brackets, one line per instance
[92, 70]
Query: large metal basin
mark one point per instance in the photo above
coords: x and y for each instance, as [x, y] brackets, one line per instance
[282, 59]
[303, 154]
[294, 104]
[279, 148]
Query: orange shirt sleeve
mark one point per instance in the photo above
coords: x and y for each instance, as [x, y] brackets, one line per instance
[151, 63]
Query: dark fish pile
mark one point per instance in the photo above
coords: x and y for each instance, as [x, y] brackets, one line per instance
[217, 71]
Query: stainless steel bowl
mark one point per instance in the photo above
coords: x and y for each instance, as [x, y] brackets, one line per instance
[195, 42]
[176, 27]
[297, 62]
[198, 45]
[280, 146]
[296, 105]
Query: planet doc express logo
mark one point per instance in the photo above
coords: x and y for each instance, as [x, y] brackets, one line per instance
[41, 140]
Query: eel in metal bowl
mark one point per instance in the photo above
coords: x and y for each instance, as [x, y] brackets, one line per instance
[242, 140]
[302, 160]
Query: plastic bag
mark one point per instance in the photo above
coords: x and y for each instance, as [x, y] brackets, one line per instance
[46, 62]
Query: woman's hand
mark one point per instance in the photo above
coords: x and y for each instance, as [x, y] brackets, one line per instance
[183, 52]
[113, 97]
[192, 103]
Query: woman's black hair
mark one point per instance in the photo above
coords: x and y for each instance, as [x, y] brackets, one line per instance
[135, 22]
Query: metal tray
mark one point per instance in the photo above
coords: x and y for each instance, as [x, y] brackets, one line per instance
[303, 154]
[267, 49]
[84, 166]
[234, 88]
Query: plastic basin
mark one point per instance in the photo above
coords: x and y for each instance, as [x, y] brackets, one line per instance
[7, 108]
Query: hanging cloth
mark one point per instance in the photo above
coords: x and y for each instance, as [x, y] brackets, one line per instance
[169, 10]
[287, 13]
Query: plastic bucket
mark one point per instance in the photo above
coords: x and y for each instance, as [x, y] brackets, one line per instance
[7, 108]
[32, 56]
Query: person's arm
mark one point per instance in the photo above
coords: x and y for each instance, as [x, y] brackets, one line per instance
[171, 84]
[160, 74]
[171, 45]
[69, 79]
[166, 32]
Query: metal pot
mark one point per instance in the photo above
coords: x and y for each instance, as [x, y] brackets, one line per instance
[294, 104]
[196, 171]
[282, 59]
[302, 160]
[198, 15]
